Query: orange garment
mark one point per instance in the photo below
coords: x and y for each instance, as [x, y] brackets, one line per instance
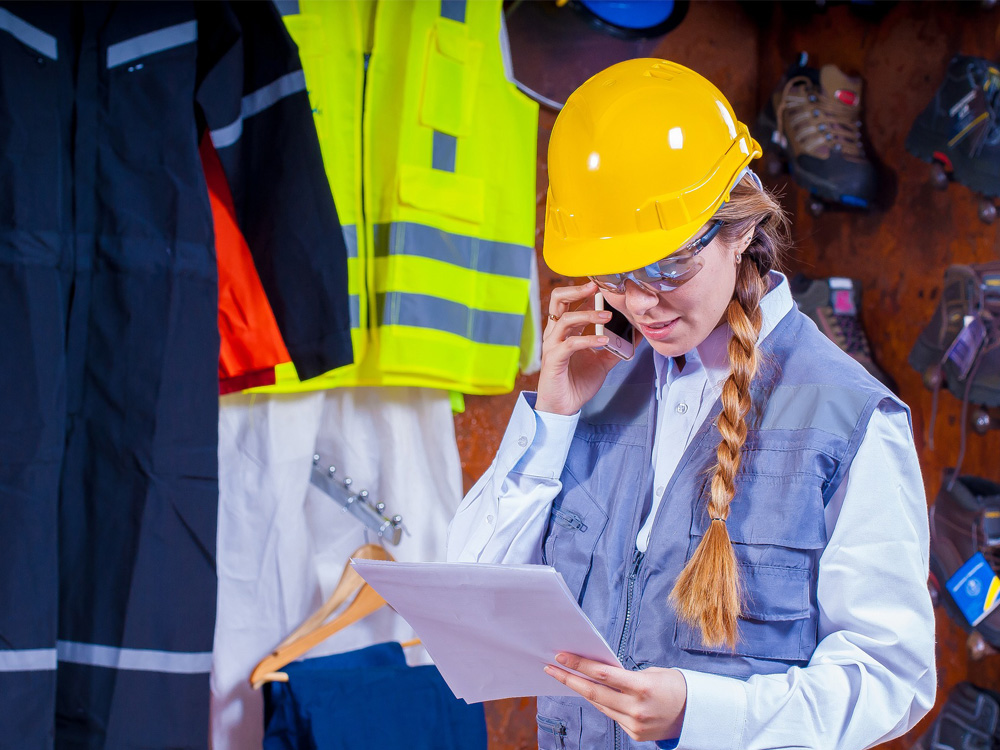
[250, 343]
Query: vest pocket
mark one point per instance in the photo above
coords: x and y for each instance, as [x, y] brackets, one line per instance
[776, 622]
[576, 522]
[777, 528]
[551, 728]
[563, 732]
[449, 194]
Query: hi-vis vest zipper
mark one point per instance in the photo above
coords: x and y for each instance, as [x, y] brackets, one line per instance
[431, 157]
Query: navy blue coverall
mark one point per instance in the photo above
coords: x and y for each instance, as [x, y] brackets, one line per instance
[109, 343]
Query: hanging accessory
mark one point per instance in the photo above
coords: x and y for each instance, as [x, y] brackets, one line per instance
[960, 347]
[314, 630]
[357, 503]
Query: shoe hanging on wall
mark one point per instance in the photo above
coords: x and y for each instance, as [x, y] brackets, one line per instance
[964, 520]
[969, 720]
[959, 131]
[834, 305]
[813, 123]
[959, 348]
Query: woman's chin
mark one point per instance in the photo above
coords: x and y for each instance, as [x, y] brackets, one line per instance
[669, 347]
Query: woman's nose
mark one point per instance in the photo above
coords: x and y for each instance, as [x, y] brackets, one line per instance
[639, 300]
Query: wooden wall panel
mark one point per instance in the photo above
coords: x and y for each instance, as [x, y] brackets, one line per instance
[898, 253]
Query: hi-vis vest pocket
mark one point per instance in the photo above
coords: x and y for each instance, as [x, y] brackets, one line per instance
[451, 77]
[444, 193]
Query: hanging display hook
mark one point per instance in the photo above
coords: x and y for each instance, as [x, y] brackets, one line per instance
[358, 503]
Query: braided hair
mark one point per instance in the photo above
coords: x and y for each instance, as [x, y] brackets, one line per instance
[708, 593]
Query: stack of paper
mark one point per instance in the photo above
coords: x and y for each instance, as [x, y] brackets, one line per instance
[490, 629]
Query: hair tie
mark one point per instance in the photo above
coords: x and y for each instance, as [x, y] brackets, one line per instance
[719, 519]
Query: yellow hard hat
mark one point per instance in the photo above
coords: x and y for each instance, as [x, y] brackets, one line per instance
[640, 158]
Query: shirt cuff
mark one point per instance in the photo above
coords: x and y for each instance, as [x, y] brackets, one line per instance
[546, 455]
[715, 713]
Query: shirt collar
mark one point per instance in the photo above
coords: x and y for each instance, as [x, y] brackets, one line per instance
[712, 354]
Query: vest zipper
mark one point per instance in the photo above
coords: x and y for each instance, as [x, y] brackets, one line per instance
[629, 596]
[554, 727]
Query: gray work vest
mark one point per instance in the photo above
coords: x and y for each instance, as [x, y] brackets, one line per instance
[812, 404]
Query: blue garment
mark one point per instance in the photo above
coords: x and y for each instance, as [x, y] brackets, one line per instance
[368, 699]
[109, 343]
[812, 408]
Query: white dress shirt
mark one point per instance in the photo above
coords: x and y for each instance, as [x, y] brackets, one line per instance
[872, 674]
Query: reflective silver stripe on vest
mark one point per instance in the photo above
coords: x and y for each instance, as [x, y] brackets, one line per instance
[350, 232]
[256, 102]
[28, 660]
[28, 35]
[151, 43]
[486, 256]
[287, 7]
[424, 311]
[823, 407]
[453, 9]
[135, 659]
[354, 308]
[445, 147]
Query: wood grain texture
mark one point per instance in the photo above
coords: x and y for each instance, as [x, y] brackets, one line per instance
[898, 253]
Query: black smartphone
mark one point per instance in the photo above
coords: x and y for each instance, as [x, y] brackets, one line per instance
[620, 333]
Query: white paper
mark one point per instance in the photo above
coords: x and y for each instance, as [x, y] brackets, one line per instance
[490, 629]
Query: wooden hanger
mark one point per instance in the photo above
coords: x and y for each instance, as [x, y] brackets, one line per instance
[349, 584]
[312, 632]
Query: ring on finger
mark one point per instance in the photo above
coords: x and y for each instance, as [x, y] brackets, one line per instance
[553, 318]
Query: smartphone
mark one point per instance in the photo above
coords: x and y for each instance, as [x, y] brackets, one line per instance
[620, 333]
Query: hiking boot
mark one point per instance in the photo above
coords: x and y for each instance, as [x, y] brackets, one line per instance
[959, 131]
[964, 520]
[833, 304]
[813, 121]
[969, 720]
[969, 291]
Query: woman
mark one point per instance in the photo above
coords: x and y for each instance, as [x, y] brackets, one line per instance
[739, 507]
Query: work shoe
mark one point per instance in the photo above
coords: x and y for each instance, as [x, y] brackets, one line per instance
[834, 304]
[964, 520]
[959, 131]
[969, 292]
[813, 121]
[969, 720]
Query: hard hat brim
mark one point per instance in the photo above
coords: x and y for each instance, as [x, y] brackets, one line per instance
[593, 256]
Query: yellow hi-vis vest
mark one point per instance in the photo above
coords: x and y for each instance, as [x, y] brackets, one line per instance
[441, 205]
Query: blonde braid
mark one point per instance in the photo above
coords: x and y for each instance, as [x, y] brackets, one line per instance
[708, 592]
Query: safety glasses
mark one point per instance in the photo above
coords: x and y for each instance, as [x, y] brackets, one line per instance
[665, 275]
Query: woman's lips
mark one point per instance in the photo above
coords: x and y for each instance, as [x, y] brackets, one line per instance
[657, 331]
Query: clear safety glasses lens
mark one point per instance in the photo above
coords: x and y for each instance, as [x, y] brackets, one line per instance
[665, 275]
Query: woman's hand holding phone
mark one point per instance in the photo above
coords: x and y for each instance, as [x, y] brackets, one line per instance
[574, 365]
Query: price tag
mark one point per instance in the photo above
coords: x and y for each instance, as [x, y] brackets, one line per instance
[965, 347]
